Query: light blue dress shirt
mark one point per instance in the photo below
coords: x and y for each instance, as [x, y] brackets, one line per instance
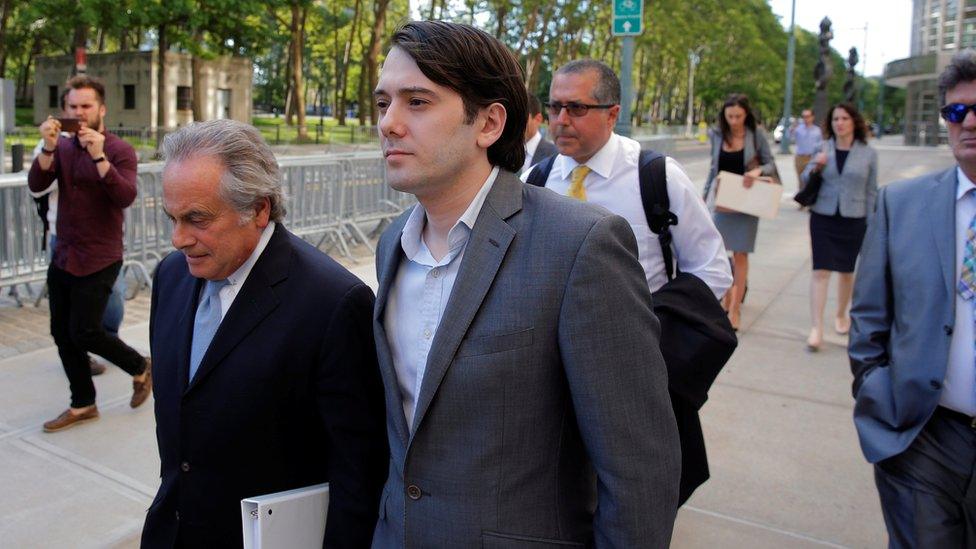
[808, 139]
[420, 293]
[959, 386]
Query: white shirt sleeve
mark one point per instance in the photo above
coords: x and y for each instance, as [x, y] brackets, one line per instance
[698, 246]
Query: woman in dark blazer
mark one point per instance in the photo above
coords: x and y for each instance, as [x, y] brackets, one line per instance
[838, 219]
[737, 147]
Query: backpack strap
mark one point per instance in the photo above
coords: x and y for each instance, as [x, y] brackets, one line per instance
[654, 197]
[540, 172]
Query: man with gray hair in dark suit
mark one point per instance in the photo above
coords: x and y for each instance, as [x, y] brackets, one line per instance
[912, 338]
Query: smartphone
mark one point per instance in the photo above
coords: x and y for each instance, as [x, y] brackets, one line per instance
[70, 125]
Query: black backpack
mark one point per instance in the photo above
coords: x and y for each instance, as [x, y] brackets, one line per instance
[696, 336]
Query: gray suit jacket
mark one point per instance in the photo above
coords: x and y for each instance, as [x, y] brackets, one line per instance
[903, 312]
[854, 191]
[544, 150]
[766, 160]
[545, 369]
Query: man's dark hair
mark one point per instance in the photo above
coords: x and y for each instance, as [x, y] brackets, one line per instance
[83, 81]
[480, 69]
[64, 97]
[961, 68]
[607, 91]
[535, 106]
[860, 126]
[736, 100]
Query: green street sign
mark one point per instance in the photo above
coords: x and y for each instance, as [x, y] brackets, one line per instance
[627, 17]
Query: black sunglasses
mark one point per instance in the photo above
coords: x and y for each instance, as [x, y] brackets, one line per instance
[574, 109]
[956, 112]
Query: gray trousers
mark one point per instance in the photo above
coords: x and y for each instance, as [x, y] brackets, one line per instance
[928, 493]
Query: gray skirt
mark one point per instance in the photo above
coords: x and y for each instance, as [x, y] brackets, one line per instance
[738, 230]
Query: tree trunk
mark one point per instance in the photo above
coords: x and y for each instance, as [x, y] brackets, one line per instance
[161, 78]
[298, 14]
[4, 17]
[502, 12]
[342, 78]
[531, 74]
[375, 42]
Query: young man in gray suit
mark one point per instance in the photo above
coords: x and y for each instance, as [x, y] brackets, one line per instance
[526, 394]
[911, 345]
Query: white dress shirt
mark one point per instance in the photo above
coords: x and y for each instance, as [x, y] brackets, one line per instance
[530, 146]
[236, 280]
[613, 183]
[419, 295]
[959, 387]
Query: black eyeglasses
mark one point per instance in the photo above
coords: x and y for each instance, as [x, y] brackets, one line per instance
[574, 109]
[956, 112]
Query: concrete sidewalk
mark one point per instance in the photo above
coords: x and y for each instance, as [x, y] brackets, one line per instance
[786, 467]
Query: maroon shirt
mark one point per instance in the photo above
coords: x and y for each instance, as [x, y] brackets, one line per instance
[89, 207]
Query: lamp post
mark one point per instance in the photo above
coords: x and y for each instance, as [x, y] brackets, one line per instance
[694, 57]
[784, 144]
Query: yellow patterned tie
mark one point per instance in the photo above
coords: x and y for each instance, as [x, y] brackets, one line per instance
[576, 188]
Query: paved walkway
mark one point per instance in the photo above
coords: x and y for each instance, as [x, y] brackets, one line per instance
[786, 468]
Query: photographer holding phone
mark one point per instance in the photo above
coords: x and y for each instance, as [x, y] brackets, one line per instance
[96, 175]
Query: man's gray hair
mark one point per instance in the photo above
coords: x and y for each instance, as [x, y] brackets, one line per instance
[607, 91]
[962, 68]
[250, 168]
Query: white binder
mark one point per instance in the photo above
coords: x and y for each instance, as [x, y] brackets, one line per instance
[762, 199]
[290, 519]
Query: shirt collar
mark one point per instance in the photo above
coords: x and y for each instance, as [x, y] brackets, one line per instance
[532, 144]
[411, 239]
[601, 163]
[963, 184]
[240, 275]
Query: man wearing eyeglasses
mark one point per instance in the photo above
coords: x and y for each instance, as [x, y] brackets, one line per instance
[912, 338]
[599, 166]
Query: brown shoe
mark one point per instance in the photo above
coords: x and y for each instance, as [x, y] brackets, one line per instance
[97, 368]
[142, 389]
[67, 419]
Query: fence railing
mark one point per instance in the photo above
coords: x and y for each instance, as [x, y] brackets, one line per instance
[333, 200]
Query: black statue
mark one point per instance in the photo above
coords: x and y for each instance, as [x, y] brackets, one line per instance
[850, 86]
[822, 72]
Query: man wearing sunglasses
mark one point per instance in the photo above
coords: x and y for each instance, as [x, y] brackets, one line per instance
[912, 338]
[599, 166]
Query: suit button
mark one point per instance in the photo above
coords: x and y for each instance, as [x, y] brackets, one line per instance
[947, 329]
[935, 384]
[413, 492]
[185, 467]
[177, 516]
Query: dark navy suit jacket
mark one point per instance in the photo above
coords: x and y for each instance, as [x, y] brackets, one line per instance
[287, 395]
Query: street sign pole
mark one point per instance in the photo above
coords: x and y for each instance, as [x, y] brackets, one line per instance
[784, 144]
[626, 86]
[628, 18]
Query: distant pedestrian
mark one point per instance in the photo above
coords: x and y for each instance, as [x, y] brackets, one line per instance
[537, 147]
[838, 219]
[912, 333]
[739, 147]
[807, 136]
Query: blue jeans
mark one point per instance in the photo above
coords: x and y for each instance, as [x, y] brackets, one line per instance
[115, 308]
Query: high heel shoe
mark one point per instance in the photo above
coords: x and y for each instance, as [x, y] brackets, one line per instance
[814, 340]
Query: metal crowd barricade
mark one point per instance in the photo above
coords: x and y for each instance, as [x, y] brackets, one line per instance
[334, 199]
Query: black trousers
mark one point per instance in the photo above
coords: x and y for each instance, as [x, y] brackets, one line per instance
[928, 495]
[77, 306]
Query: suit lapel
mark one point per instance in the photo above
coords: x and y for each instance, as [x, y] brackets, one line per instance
[486, 248]
[942, 214]
[254, 301]
[185, 328]
[388, 261]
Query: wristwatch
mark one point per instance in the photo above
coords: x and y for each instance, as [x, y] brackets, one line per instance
[99, 159]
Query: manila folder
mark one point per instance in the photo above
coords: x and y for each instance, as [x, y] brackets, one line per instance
[760, 200]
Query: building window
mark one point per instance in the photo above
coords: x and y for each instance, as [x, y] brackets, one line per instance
[184, 98]
[130, 96]
[53, 101]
